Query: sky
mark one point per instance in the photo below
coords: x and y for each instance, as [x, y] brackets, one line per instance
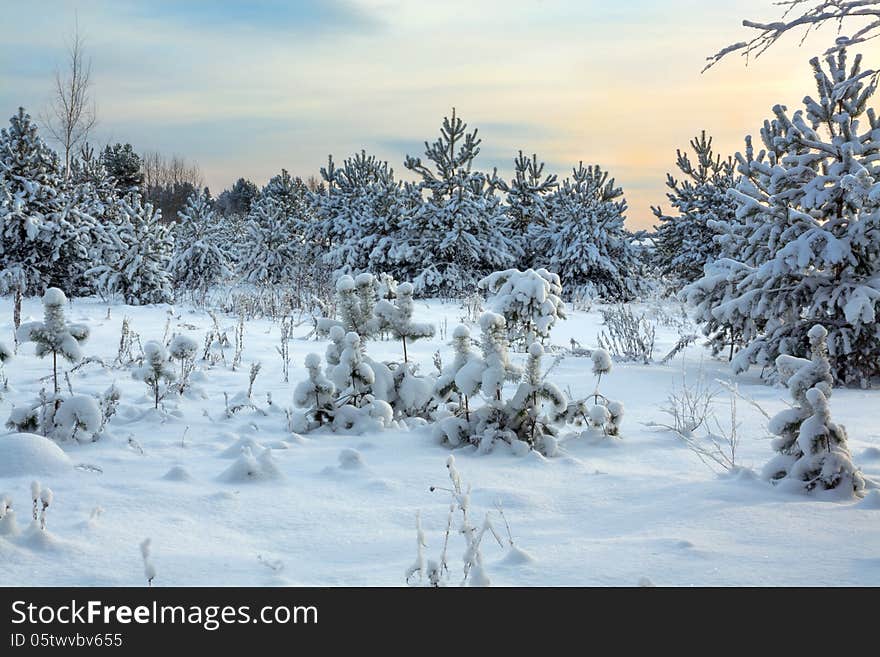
[246, 88]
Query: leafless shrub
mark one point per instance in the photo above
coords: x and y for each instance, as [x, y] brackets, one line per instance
[284, 348]
[627, 336]
[472, 307]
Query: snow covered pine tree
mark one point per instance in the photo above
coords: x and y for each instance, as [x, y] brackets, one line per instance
[808, 241]
[137, 256]
[200, 260]
[686, 241]
[457, 234]
[586, 242]
[813, 454]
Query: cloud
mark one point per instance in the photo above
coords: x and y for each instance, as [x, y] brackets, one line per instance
[311, 18]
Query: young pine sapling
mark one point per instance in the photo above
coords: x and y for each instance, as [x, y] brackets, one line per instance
[155, 369]
[54, 335]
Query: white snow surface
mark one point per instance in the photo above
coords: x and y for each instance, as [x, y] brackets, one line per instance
[218, 497]
[26, 454]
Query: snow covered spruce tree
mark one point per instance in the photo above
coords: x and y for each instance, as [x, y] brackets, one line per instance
[200, 259]
[685, 241]
[458, 233]
[809, 240]
[136, 258]
[358, 206]
[396, 318]
[41, 242]
[273, 246]
[812, 449]
[527, 208]
[529, 302]
[54, 335]
[586, 242]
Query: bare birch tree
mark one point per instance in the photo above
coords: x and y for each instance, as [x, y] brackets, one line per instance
[72, 114]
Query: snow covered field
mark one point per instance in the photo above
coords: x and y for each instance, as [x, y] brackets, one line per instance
[341, 509]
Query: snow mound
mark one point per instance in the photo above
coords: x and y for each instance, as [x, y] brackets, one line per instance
[235, 450]
[28, 454]
[251, 468]
[351, 459]
[871, 453]
[517, 557]
[177, 473]
[646, 582]
[871, 501]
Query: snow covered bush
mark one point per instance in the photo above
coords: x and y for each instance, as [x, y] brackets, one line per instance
[529, 419]
[396, 317]
[54, 335]
[812, 449]
[183, 348]
[355, 302]
[79, 418]
[344, 399]
[528, 300]
[461, 376]
[154, 370]
[352, 376]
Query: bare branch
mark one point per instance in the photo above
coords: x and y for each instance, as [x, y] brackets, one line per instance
[72, 113]
[809, 18]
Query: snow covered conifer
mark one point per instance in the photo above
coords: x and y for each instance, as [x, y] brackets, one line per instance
[271, 248]
[529, 301]
[200, 260]
[586, 243]
[357, 208]
[155, 369]
[356, 301]
[136, 259]
[54, 335]
[316, 394]
[807, 250]
[33, 206]
[685, 242]
[812, 449]
[457, 234]
[527, 208]
[529, 422]
[496, 358]
[397, 318]
[124, 166]
[353, 376]
[463, 375]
